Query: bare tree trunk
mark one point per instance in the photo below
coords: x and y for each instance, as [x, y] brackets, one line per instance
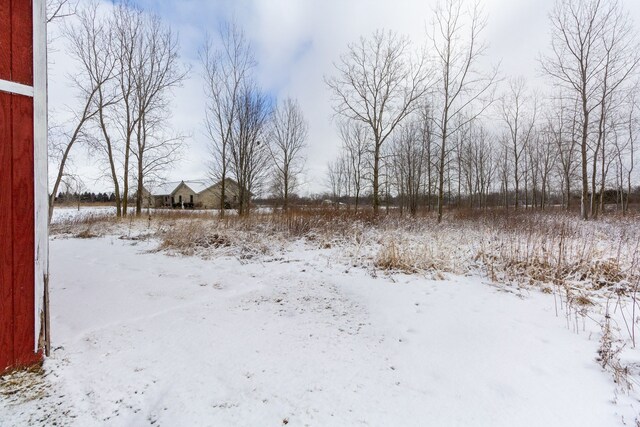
[112, 165]
[441, 170]
[458, 51]
[287, 136]
[584, 208]
[65, 156]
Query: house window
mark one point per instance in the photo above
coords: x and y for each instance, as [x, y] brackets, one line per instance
[191, 198]
[180, 199]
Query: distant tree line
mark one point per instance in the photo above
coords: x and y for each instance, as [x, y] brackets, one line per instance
[85, 197]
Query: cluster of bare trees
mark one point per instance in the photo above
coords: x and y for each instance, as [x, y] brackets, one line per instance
[595, 54]
[127, 65]
[452, 133]
[377, 84]
[253, 139]
[396, 96]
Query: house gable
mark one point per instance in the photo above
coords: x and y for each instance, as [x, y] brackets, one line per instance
[183, 194]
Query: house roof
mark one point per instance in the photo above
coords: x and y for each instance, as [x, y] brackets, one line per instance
[198, 186]
[163, 188]
[207, 185]
[170, 187]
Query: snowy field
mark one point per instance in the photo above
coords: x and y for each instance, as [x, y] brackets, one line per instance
[67, 213]
[303, 335]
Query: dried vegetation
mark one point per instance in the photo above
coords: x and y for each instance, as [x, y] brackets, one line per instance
[591, 268]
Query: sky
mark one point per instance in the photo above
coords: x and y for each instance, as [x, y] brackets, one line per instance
[296, 43]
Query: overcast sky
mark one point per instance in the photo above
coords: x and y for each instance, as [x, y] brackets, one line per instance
[296, 42]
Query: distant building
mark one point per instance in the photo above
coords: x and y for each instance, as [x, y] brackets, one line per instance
[210, 197]
[183, 196]
[192, 194]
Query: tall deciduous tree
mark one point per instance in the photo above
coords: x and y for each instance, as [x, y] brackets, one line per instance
[410, 163]
[287, 140]
[355, 148]
[562, 124]
[519, 112]
[134, 106]
[86, 45]
[156, 72]
[249, 155]
[226, 70]
[456, 40]
[593, 52]
[377, 83]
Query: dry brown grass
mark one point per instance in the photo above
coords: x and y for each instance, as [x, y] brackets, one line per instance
[396, 258]
[522, 247]
[563, 252]
[25, 384]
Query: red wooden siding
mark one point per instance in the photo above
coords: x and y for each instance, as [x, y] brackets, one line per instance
[5, 40]
[21, 42]
[17, 237]
[23, 232]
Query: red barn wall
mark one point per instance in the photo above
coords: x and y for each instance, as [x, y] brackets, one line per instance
[17, 224]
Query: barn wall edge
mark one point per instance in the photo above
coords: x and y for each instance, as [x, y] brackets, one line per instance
[40, 145]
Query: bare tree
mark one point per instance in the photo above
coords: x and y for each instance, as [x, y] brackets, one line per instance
[455, 38]
[156, 72]
[484, 163]
[355, 147]
[519, 112]
[378, 84]
[425, 117]
[287, 140]
[155, 152]
[410, 163]
[544, 154]
[133, 108]
[249, 155]
[620, 48]
[504, 170]
[128, 25]
[586, 35]
[477, 166]
[73, 184]
[633, 127]
[562, 123]
[226, 70]
[338, 179]
[622, 156]
[86, 46]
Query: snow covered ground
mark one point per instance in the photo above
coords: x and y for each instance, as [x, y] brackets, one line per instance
[66, 213]
[300, 337]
